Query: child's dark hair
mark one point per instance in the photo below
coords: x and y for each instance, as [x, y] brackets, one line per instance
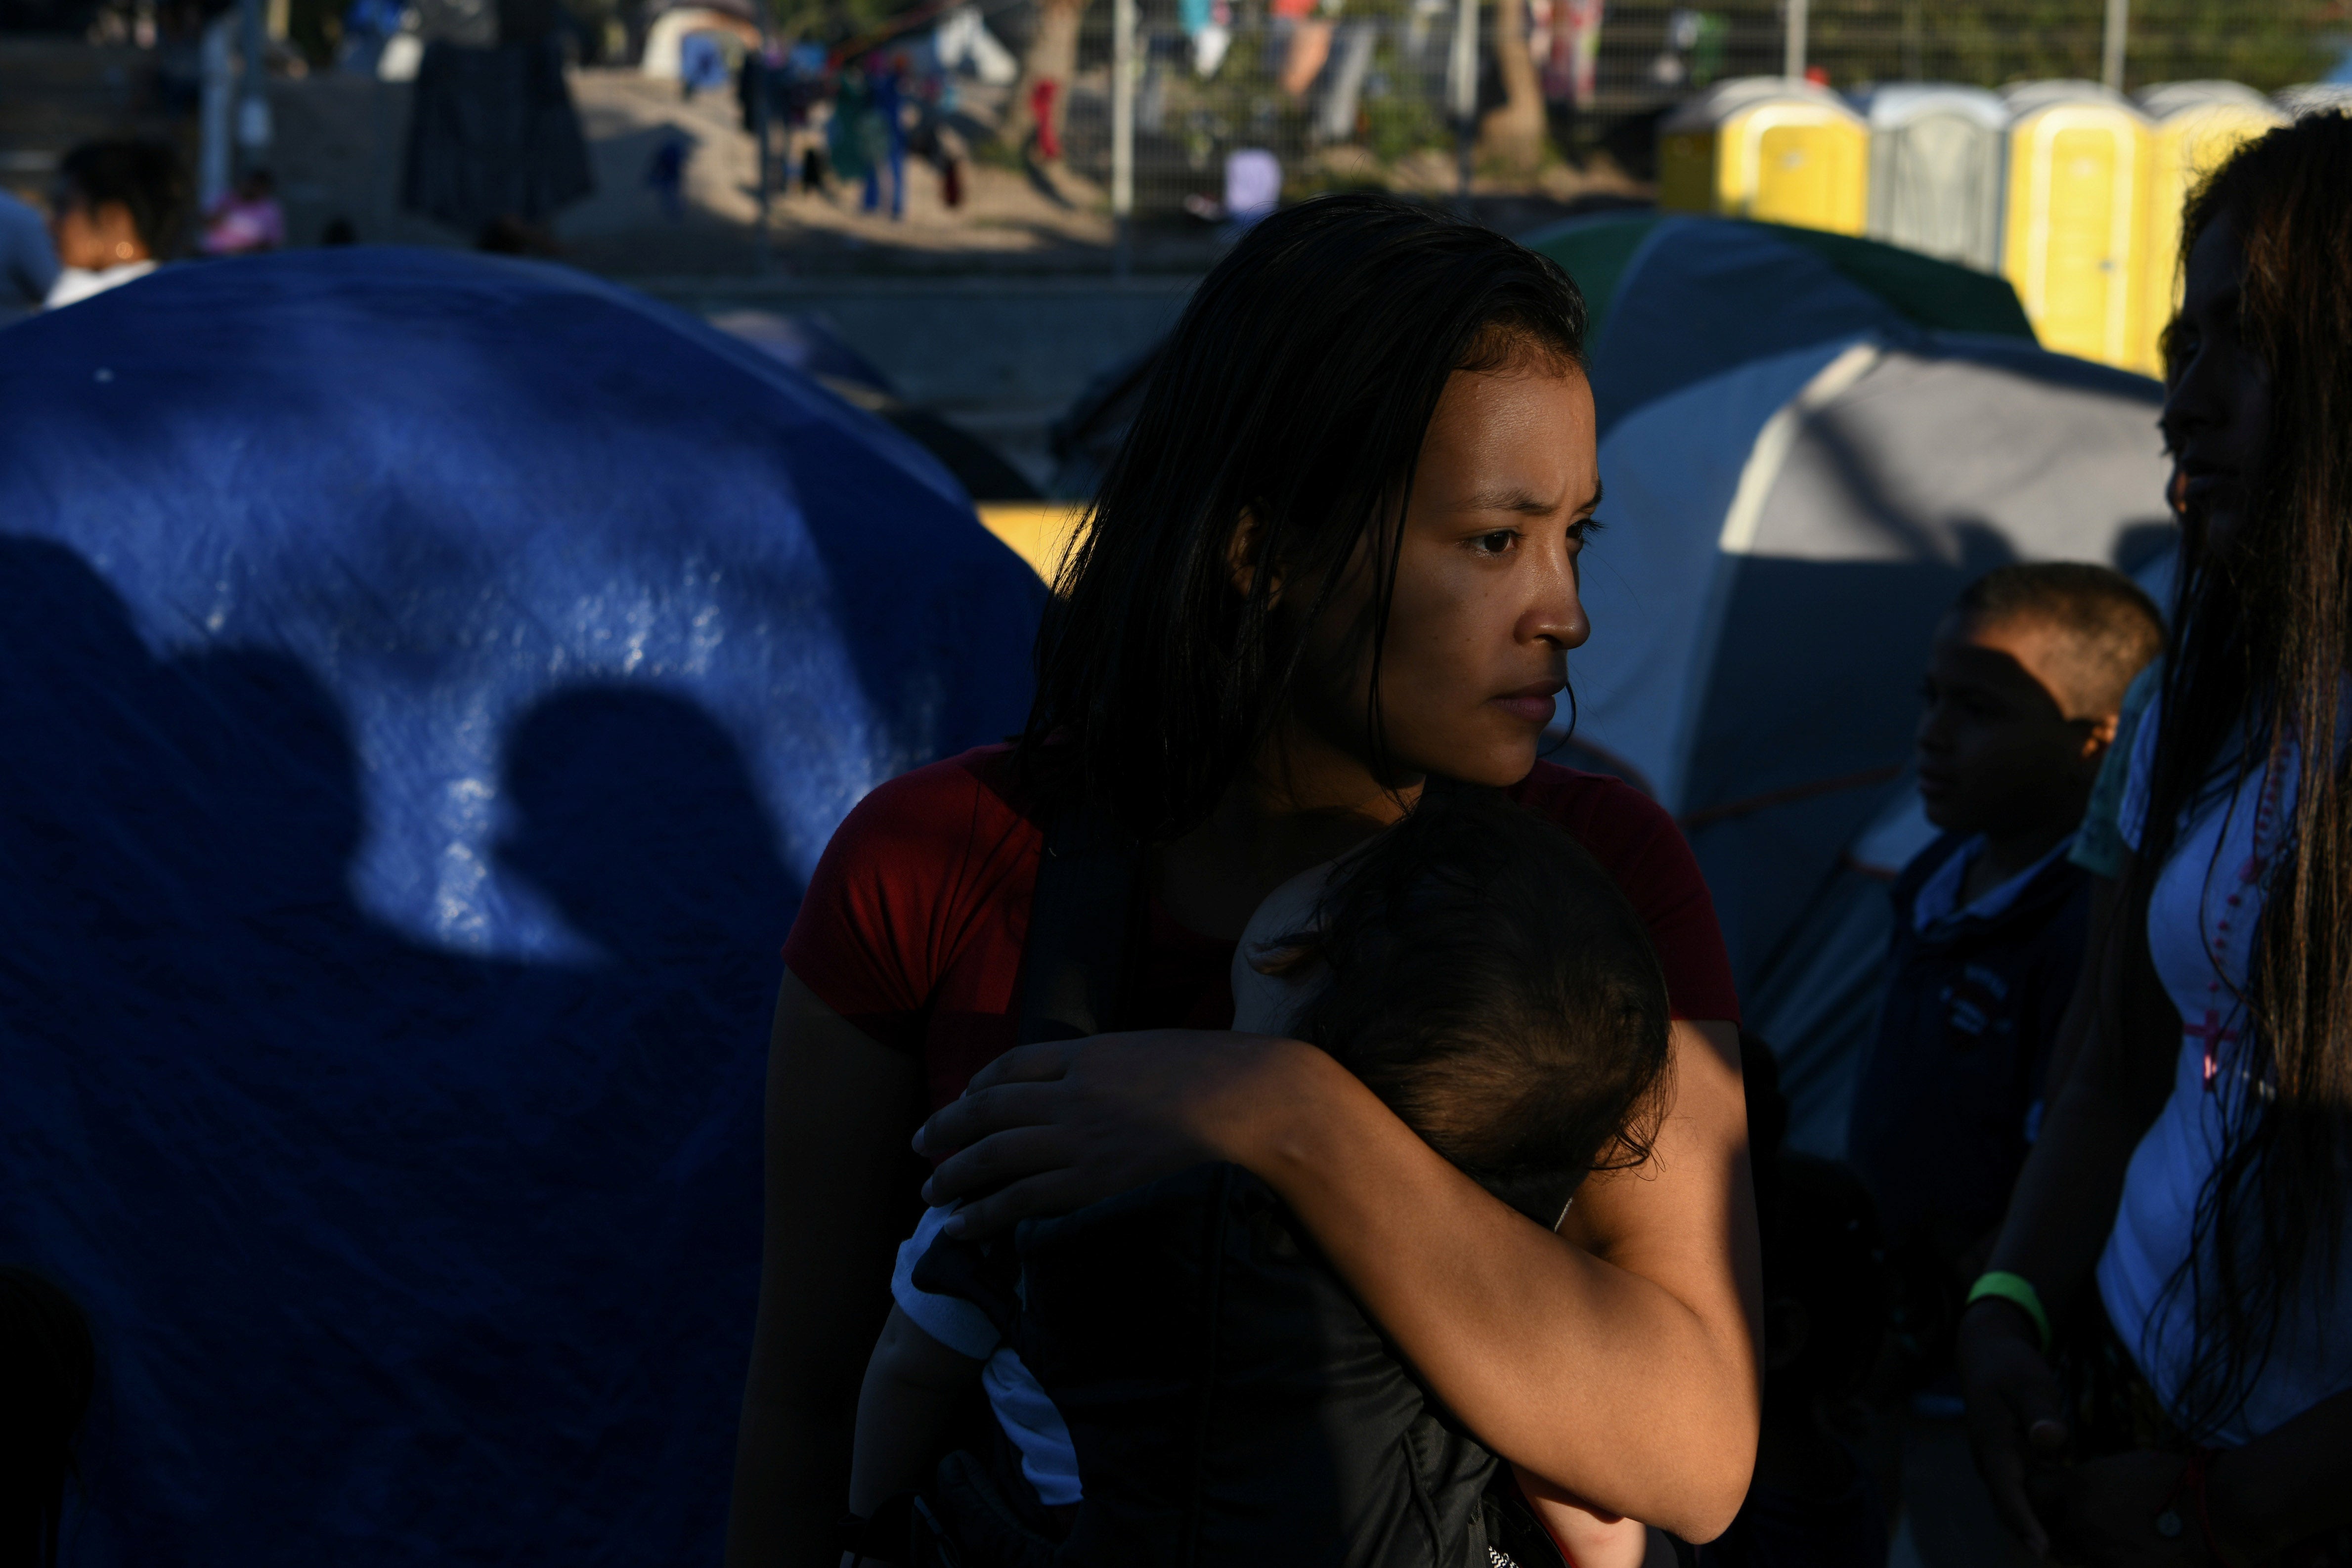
[143, 177]
[2115, 626]
[1486, 979]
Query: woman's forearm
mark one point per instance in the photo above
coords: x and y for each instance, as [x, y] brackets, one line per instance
[2099, 1099]
[1632, 1382]
[837, 1110]
[2065, 1198]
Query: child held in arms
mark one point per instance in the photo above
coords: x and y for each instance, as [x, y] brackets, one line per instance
[2024, 680]
[1174, 1373]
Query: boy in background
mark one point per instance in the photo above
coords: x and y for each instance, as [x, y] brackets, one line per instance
[2025, 682]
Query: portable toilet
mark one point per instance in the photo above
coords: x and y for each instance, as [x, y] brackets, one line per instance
[2073, 240]
[1766, 148]
[2313, 98]
[1936, 169]
[2195, 126]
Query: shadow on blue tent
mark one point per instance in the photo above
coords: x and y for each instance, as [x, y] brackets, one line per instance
[430, 680]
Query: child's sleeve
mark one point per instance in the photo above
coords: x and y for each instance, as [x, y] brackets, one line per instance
[955, 1323]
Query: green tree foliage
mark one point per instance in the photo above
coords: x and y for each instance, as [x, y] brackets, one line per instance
[2266, 43]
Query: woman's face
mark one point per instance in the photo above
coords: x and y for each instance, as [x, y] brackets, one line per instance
[2217, 411]
[1486, 602]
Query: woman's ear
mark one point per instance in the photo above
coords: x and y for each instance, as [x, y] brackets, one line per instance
[1243, 552]
[2099, 736]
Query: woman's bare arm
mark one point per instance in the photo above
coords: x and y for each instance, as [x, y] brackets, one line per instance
[838, 1109]
[1626, 1375]
[2103, 1092]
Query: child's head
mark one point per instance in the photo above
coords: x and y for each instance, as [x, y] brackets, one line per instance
[118, 202]
[2023, 684]
[1485, 978]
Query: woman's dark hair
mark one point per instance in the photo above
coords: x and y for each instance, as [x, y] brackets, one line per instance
[1486, 979]
[1298, 388]
[49, 1369]
[2263, 631]
[143, 177]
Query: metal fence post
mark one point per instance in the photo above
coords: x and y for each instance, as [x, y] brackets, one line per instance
[253, 126]
[214, 156]
[760, 76]
[1462, 92]
[2111, 53]
[1795, 21]
[1122, 135]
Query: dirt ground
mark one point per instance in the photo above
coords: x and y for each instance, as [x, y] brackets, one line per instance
[341, 142]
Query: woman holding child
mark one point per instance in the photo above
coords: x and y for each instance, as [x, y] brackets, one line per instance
[1337, 555]
[2159, 1366]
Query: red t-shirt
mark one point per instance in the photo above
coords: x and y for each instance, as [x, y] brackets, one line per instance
[915, 919]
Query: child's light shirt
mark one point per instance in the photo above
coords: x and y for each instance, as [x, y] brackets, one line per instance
[1014, 1395]
[1263, 1003]
[1939, 896]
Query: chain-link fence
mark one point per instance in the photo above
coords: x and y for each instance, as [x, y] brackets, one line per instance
[1362, 95]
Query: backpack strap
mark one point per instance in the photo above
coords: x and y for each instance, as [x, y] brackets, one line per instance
[1081, 925]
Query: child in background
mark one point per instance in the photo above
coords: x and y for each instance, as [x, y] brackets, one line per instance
[1484, 977]
[247, 220]
[2025, 682]
[117, 214]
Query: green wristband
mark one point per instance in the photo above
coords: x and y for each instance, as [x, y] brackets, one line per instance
[2019, 1292]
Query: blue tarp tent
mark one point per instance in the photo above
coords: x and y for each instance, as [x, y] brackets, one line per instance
[1805, 461]
[429, 682]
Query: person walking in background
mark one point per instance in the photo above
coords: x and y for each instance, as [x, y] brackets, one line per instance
[494, 146]
[28, 261]
[118, 216]
[851, 136]
[2024, 680]
[890, 140]
[666, 174]
[248, 219]
[2158, 1363]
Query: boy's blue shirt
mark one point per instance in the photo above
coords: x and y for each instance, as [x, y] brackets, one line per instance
[1944, 1111]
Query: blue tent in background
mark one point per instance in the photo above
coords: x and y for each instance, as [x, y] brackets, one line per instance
[1810, 443]
[429, 682]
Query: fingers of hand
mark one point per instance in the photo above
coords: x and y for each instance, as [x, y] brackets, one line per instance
[1033, 1197]
[998, 1160]
[1994, 1434]
[1028, 1063]
[983, 1112]
[2040, 1405]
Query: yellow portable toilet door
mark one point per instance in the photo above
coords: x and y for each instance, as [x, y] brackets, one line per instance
[1803, 165]
[2073, 229]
